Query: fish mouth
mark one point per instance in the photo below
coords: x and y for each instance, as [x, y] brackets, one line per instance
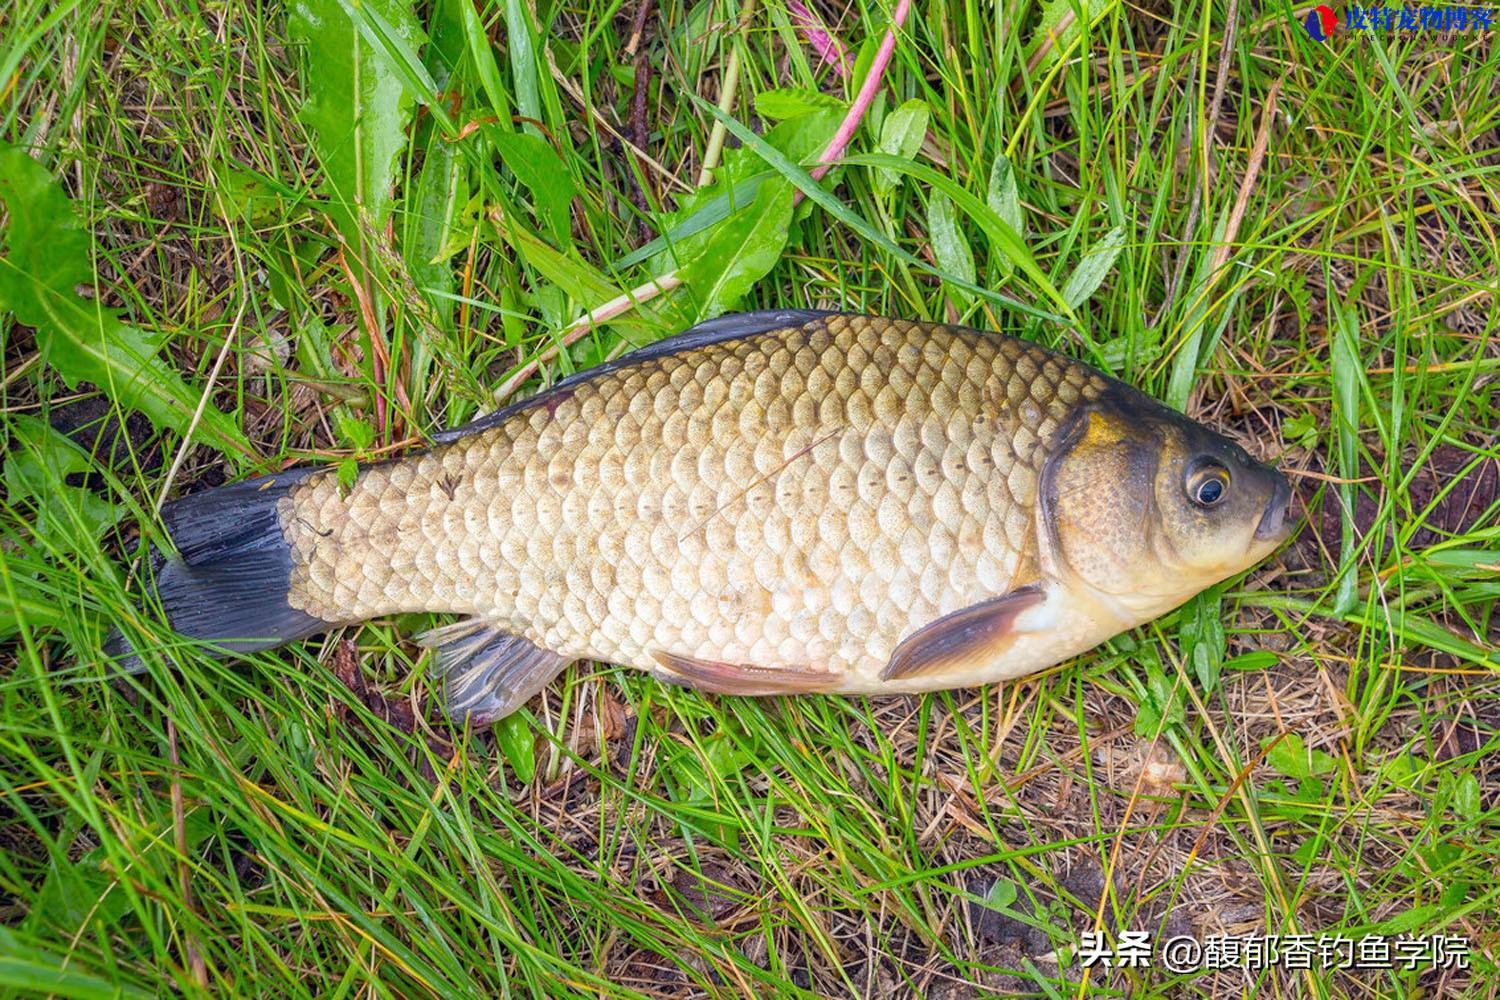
[1274, 524]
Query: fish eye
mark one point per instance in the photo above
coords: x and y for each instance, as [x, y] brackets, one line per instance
[1207, 484]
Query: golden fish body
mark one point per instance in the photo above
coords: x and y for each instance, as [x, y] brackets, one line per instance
[782, 503]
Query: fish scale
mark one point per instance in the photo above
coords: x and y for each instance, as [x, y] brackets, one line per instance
[797, 500]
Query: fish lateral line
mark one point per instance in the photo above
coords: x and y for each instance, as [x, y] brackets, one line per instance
[763, 480]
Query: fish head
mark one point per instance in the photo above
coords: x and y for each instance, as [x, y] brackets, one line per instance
[1147, 507]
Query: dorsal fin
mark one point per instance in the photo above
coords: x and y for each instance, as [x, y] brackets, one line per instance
[714, 331]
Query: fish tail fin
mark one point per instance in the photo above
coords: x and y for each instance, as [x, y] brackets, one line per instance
[230, 581]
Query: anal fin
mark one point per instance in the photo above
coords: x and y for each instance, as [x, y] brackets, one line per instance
[487, 671]
[961, 637]
[733, 678]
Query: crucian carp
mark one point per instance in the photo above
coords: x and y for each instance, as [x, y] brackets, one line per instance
[769, 503]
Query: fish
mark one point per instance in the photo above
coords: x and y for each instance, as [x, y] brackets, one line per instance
[778, 502]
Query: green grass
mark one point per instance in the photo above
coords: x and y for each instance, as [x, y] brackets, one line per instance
[1309, 749]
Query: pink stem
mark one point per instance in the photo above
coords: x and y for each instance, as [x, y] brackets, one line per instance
[863, 99]
[828, 47]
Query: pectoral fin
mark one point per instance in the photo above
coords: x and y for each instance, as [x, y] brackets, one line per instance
[733, 678]
[979, 631]
[488, 672]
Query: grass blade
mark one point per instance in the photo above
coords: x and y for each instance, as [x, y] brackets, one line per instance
[1347, 375]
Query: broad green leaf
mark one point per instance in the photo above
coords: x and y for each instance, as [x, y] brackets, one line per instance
[862, 62]
[1403, 770]
[537, 166]
[38, 461]
[1256, 659]
[802, 139]
[435, 221]
[1295, 759]
[86, 892]
[1091, 271]
[1304, 429]
[37, 465]
[1163, 704]
[553, 304]
[1000, 895]
[47, 258]
[1203, 642]
[348, 473]
[901, 136]
[399, 48]
[249, 197]
[949, 247]
[518, 744]
[36, 608]
[703, 776]
[354, 431]
[794, 102]
[1004, 200]
[694, 218]
[1478, 564]
[1466, 800]
[315, 347]
[1456, 891]
[737, 183]
[434, 213]
[461, 235]
[742, 251]
[357, 106]
[1310, 791]
[1404, 922]
[581, 280]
